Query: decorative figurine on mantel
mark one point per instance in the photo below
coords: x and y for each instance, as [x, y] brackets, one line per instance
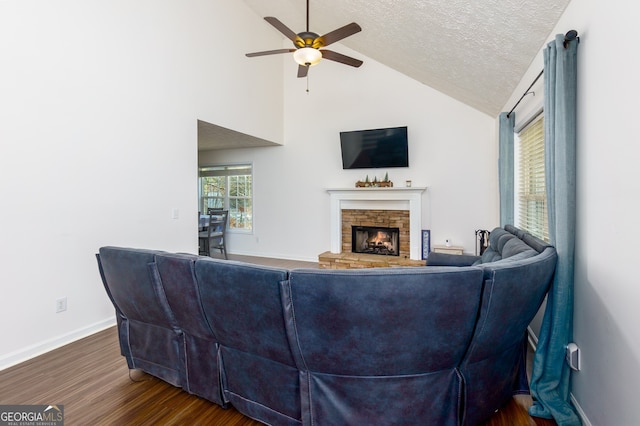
[386, 183]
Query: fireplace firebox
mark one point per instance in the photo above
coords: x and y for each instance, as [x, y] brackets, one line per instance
[375, 240]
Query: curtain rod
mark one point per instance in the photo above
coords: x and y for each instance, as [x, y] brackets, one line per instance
[526, 92]
[570, 35]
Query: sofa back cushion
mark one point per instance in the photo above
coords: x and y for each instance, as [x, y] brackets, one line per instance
[513, 292]
[511, 297]
[381, 346]
[374, 322]
[535, 243]
[128, 276]
[509, 242]
[493, 252]
[177, 275]
[516, 246]
[150, 337]
[242, 305]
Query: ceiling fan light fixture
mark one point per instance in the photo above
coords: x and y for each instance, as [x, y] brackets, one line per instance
[307, 56]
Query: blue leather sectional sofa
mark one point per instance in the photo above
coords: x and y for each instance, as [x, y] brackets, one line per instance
[434, 345]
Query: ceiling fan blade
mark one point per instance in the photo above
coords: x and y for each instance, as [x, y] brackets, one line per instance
[270, 52]
[336, 35]
[339, 57]
[303, 70]
[284, 29]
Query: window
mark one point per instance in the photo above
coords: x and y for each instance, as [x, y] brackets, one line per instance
[532, 197]
[229, 187]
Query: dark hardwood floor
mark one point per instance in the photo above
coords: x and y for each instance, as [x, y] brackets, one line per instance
[91, 379]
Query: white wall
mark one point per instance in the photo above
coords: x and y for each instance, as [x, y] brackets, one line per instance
[99, 104]
[452, 151]
[606, 285]
[98, 109]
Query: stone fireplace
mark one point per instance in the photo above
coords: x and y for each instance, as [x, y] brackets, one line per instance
[399, 208]
[376, 220]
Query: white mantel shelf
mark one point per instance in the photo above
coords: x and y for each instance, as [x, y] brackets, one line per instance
[379, 189]
[402, 198]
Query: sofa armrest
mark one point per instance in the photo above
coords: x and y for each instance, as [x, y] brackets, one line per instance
[446, 259]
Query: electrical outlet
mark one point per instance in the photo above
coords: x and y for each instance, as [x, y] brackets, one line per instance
[61, 304]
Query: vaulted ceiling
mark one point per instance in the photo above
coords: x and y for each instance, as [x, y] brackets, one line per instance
[473, 51]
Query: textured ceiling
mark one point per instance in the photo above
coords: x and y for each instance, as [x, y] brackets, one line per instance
[473, 51]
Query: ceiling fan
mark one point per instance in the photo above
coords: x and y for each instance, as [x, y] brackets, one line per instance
[309, 46]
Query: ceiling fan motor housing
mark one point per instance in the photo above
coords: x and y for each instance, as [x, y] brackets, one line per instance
[309, 39]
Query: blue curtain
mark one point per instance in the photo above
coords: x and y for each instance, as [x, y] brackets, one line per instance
[551, 375]
[505, 167]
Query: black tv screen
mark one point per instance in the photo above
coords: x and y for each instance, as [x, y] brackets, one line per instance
[374, 149]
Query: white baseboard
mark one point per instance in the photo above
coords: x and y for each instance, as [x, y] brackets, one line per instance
[583, 417]
[533, 339]
[33, 351]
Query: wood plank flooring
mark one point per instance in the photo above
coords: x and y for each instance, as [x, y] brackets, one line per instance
[91, 379]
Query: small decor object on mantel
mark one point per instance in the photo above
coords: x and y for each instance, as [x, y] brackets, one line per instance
[386, 183]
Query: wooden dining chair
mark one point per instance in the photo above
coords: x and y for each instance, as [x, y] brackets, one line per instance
[214, 236]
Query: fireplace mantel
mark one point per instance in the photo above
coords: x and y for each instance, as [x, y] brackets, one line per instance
[378, 198]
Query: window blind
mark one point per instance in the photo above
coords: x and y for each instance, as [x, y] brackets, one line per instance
[532, 197]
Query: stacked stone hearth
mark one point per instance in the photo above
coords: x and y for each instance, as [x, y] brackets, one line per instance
[373, 218]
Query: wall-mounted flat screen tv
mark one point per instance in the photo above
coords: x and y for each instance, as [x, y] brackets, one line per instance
[375, 148]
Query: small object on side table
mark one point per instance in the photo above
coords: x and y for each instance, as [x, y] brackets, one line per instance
[448, 249]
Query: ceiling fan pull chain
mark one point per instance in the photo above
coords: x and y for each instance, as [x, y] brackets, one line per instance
[307, 84]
